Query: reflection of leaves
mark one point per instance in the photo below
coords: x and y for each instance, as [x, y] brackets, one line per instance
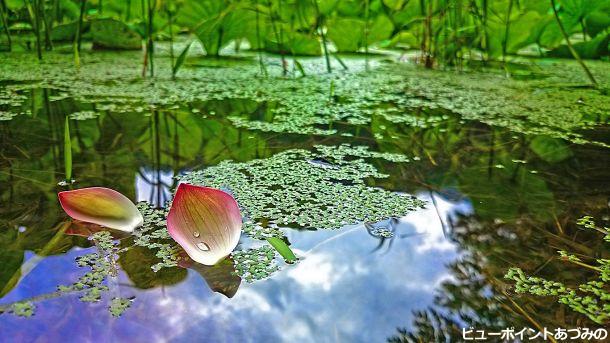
[11, 263]
[505, 197]
[221, 277]
[551, 150]
[136, 263]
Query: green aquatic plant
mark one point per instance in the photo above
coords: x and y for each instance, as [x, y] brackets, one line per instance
[282, 248]
[255, 264]
[180, 60]
[322, 190]
[76, 46]
[154, 236]
[24, 309]
[118, 306]
[591, 298]
[570, 47]
[551, 105]
[67, 151]
[4, 22]
[102, 265]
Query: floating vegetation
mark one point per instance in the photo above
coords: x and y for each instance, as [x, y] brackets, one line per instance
[591, 298]
[395, 92]
[5, 116]
[382, 232]
[84, 115]
[119, 305]
[24, 309]
[287, 189]
[153, 235]
[102, 265]
[255, 264]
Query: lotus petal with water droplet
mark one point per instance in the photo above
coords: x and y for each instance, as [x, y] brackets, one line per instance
[101, 206]
[205, 221]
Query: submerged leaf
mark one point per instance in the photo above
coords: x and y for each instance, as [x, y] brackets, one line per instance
[205, 221]
[102, 206]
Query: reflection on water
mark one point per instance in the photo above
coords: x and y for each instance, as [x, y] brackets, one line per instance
[154, 186]
[495, 199]
[345, 288]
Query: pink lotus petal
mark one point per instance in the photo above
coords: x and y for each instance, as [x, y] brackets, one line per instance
[102, 206]
[205, 221]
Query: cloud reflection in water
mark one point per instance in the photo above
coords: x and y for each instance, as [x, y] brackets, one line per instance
[343, 290]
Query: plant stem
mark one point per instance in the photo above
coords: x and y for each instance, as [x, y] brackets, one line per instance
[588, 266]
[277, 38]
[570, 47]
[485, 37]
[320, 21]
[77, 36]
[150, 44]
[3, 16]
[171, 42]
[67, 151]
[48, 44]
[366, 34]
[506, 30]
[32, 6]
[258, 41]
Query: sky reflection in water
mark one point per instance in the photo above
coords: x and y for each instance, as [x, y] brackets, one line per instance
[343, 290]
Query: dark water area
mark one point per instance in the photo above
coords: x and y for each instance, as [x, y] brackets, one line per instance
[495, 199]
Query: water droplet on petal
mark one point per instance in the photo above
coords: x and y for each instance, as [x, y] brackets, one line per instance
[196, 234]
[203, 246]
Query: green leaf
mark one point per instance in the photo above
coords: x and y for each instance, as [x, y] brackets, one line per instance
[282, 248]
[394, 4]
[597, 22]
[381, 28]
[404, 38]
[67, 150]
[593, 49]
[114, 34]
[180, 60]
[346, 34]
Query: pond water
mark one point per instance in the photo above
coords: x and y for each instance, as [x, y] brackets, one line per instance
[496, 197]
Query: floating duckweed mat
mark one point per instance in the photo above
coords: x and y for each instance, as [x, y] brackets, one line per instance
[255, 264]
[591, 298]
[91, 286]
[153, 235]
[324, 189]
[102, 265]
[310, 105]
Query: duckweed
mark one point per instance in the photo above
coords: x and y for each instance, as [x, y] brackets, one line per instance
[295, 188]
